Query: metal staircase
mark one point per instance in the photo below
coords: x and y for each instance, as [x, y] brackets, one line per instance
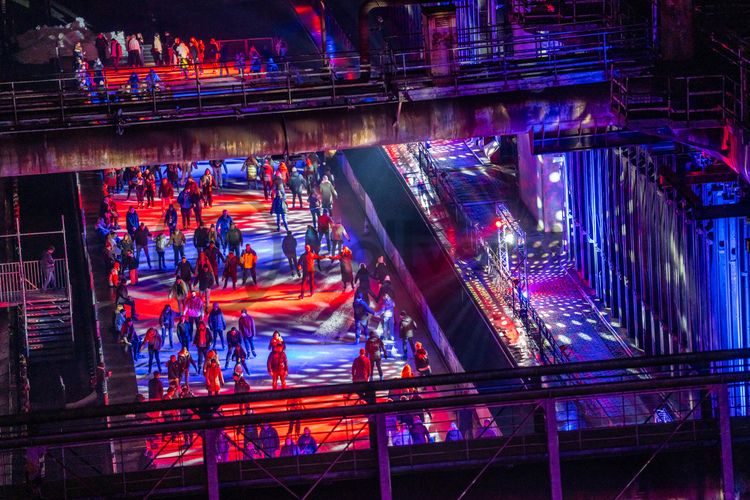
[49, 328]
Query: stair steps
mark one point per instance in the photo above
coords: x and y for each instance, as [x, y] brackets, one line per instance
[49, 329]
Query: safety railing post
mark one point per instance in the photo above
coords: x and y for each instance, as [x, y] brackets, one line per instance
[106, 94]
[15, 105]
[198, 87]
[725, 436]
[62, 99]
[333, 83]
[604, 45]
[687, 100]
[288, 83]
[244, 93]
[553, 448]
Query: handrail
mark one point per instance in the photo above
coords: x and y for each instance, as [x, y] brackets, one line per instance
[72, 100]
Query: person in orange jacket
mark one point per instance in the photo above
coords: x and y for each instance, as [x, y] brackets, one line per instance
[306, 264]
[214, 377]
[278, 366]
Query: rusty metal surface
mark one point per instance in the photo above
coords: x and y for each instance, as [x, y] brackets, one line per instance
[89, 149]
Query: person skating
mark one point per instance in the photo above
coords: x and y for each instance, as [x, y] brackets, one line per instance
[279, 208]
[249, 262]
[123, 297]
[361, 371]
[239, 355]
[179, 291]
[177, 242]
[222, 228]
[183, 332]
[132, 221]
[214, 377]
[152, 340]
[276, 339]
[141, 237]
[230, 270]
[324, 230]
[202, 339]
[185, 359]
[166, 323]
[296, 185]
[200, 238]
[174, 372]
[217, 324]
[362, 312]
[166, 193]
[338, 234]
[406, 332]
[186, 207]
[155, 387]
[160, 245]
[346, 267]
[278, 367]
[193, 311]
[240, 384]
[246, 326]
[314, 203]
[267, 178]
[362, 278]
[312, 239]
[207, 184]
[375, 352]
[206, 281]
[214, 257]
[387, 313]
[234, 337]
[306, 264]
[421, 360]
[327, 193]
[289, 247]
[234, 238]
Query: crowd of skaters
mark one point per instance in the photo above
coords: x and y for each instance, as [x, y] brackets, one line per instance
[197, 324]
[184, 53]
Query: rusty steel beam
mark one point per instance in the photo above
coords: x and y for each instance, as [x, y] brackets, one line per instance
[315, 130]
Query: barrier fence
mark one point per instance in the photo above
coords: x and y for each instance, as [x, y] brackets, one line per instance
[171, 445]
[106, 98]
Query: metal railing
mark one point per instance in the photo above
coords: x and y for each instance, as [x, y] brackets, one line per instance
[147, 447]
[105, 99]
[689, 99]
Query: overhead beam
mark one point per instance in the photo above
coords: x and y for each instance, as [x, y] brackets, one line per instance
[315, 130]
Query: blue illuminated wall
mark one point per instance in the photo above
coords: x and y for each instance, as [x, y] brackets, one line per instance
[677, 284]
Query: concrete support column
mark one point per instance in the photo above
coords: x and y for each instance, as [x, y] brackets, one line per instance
[725, 432]
[210, 436]
[541, 186]
[553, 448]
[675, 28]
[384, 464]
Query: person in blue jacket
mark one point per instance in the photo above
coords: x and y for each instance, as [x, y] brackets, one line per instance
[280, 208]
[217, 324]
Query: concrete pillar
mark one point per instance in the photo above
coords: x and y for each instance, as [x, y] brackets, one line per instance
[384, 464]
[210, 436]
[725, 432]
[553, 448]
[675, 27]
[541, 186]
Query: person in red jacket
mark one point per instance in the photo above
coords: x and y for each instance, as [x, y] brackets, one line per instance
[306, 264]
[202, 340]
[361, 370]
[214, 377]
[230, 270]
[267, 178]
[166, 192]
[278, 366]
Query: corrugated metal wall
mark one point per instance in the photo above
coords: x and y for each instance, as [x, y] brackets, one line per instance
[676, 284]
